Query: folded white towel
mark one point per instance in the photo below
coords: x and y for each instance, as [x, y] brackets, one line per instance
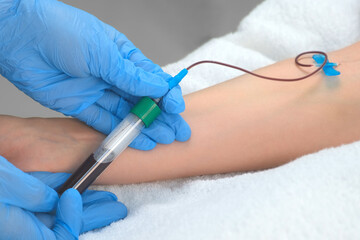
[315, 197]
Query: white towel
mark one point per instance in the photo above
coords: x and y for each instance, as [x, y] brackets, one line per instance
[316, 196]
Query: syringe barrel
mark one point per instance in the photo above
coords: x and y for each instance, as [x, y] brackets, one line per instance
[119, 139]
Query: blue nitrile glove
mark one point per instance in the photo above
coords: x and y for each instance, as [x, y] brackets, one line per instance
[70, 61]
[26, 204]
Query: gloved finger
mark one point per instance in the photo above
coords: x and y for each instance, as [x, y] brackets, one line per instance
[115, 104]
[68, 221]
[131, 99]
[139, 59]
[99, 118]
[101, 214]
[143, 142]
[136, 81]
[122, 73]
[11, 220]
[69, 95]
[16, 223]
[101, 209]
[22, 190]
[46, 219]
[129, 51]
[53, 180]
[160, 132]
[179, 126]
[173, 101]
[91, 196]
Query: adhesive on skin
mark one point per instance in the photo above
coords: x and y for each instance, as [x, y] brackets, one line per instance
[328, 68]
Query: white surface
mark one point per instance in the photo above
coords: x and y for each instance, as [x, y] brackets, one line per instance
[314, 197]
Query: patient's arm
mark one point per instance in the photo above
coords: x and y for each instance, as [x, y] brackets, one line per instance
[244, 124]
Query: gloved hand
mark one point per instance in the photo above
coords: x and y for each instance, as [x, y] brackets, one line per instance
[70, 61]
[26, 204]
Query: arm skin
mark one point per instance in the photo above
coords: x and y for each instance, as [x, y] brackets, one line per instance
[244, 124]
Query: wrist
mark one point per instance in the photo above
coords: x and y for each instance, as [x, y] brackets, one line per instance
[38, 144]
[66, 139]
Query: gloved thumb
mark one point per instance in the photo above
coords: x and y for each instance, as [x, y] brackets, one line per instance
[68, 222]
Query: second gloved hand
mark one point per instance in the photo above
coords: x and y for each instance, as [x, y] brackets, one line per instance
[26, 204]
[70, 61]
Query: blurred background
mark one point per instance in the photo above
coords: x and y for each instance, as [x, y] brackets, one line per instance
[165, 31]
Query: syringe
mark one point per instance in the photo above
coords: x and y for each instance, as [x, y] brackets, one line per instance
[141, 115]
